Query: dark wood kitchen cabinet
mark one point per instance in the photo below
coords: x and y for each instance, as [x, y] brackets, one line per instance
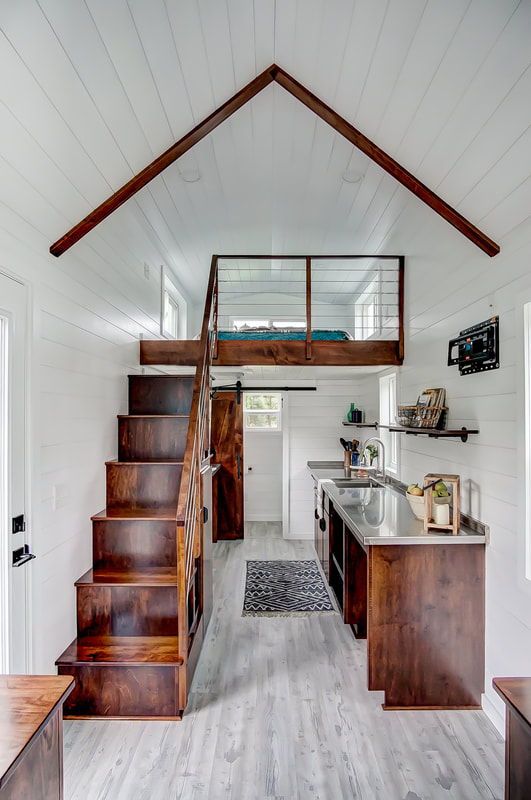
[421, 608]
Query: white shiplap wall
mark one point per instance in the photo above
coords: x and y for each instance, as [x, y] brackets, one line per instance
[314, 426]
[86, 325]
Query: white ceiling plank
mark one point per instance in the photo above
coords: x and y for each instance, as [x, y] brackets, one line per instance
[438, 25]
[120, 36]
[30, 34]
[264, 33]
[216, 34]
[485, 92]
[91, 59]
[398, 30]
[26, 101]
[153, 28]
[185, 25]
[474, 39]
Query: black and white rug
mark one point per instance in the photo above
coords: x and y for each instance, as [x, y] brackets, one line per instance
[284, 589]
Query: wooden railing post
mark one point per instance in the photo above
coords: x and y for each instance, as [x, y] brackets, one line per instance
[308, 307]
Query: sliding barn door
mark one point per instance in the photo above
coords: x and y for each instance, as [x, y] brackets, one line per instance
[227, 442]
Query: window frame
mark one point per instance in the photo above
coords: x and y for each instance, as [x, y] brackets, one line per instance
[168, 290]
[387, 405]
[254, 411]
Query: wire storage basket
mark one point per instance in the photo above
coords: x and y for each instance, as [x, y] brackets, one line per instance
[419, 416]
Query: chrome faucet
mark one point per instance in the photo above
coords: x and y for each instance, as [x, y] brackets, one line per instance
[381, 454]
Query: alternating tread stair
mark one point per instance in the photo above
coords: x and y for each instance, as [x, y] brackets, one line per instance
[126, 659]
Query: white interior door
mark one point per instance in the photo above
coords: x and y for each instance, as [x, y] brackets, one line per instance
[14, 560]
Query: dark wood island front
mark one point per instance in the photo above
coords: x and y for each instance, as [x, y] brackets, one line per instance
[31, 736]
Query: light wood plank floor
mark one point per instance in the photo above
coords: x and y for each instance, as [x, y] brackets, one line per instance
[280, 710]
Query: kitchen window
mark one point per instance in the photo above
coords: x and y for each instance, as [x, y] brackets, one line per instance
[388, 405]
[263, 411]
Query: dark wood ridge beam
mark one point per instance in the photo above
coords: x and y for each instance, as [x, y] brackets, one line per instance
[386, 162]
[162, 162]
[338, 123]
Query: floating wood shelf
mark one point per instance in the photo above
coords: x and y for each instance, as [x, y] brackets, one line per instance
[372, 425]
[433, 433]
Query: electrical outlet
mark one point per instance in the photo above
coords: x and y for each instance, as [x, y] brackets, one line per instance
[146, 271]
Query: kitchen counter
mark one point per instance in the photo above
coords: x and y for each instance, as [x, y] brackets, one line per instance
[380, 515]
[421, 608]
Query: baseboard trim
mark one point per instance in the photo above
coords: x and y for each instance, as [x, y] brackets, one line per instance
[493, 714]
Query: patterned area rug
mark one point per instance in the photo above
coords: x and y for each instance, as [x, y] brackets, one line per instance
[284, 589]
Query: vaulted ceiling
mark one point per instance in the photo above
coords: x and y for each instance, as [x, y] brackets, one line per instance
[97, 89]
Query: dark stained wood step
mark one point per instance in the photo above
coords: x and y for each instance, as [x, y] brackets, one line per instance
[132, 677]
[147, 577]
[152, 438]
[146, 605]
[160, 394]
[162, 513]
[132, 650]
[143, 484]
[127, 544]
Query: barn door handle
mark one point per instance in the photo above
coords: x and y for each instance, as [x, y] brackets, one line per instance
[239, 465]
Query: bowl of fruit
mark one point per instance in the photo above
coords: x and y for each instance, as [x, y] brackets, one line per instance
[415, 496]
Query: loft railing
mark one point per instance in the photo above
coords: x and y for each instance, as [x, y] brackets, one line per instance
[316, 298]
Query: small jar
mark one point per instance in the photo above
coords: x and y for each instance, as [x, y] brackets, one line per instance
[441, 513]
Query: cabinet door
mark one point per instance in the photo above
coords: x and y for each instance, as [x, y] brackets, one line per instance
[325, 561]
[227, 442]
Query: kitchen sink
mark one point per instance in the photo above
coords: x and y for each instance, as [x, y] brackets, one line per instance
[355, 483]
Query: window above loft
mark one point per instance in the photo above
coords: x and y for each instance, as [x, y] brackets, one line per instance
[263, 411]
[173, 309]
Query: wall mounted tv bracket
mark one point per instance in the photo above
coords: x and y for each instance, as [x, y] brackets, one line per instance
[476, 349]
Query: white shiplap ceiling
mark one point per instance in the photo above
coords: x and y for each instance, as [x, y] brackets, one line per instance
[92, 90]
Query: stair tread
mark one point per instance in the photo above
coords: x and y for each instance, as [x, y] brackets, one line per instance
[153, 416]
[122, 649]
[173, 462]
[117, 513]
[162, 576]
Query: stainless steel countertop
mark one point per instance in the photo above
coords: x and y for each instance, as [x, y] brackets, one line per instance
[380, 515]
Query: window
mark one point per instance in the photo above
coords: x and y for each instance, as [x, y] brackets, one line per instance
[172, 323]
[249, 324]
[388, 404]
[370, 310]
[527, 379]
[263, 412]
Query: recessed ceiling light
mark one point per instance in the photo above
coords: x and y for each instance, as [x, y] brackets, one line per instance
[191, 175]
[352, 176]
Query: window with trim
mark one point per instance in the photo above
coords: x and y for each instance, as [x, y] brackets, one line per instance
[263, 411]
[172, 301]
[369, 315]
[388, 404]
[527, 400]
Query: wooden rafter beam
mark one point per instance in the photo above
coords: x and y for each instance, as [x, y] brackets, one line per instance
[322, 110]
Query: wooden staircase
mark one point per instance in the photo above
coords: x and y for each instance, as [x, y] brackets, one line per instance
[138, 609]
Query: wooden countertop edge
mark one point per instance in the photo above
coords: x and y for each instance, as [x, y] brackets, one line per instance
[507, 700]
[69, 686]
